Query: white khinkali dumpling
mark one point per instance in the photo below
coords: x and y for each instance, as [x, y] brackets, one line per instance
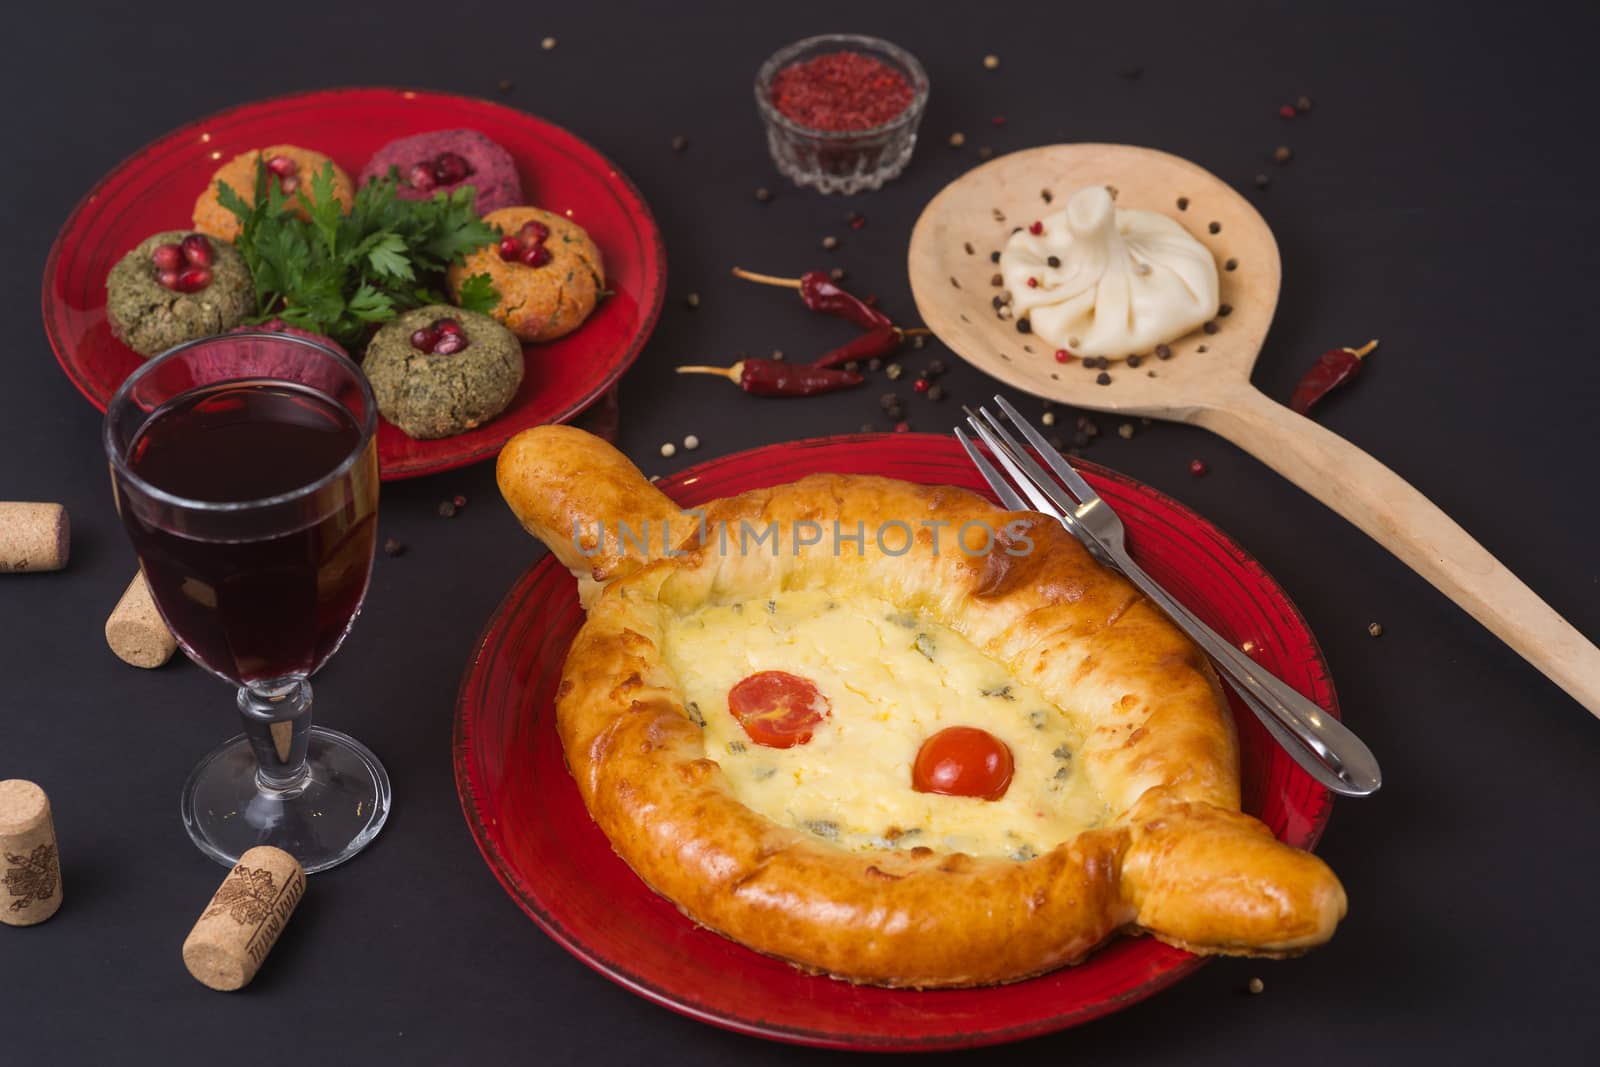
[1123, 281]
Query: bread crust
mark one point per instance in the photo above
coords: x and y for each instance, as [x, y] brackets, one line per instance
[1177, 860]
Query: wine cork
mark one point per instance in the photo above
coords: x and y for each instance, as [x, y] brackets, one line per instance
[245, 917]
[30, 869]
[33, 537]
[135, 631]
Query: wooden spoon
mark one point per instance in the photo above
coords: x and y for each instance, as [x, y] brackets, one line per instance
[951, 278]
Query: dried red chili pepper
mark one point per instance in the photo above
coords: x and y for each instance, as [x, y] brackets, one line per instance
[876, 342]
[821, 293]
[774, 377]
[879, 341]
[1331, 370]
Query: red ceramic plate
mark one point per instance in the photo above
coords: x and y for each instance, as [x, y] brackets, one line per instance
[532, 827]
[156, 189]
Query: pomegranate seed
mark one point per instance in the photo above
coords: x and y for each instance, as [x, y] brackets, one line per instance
[1197, 468]
[449, 328]
[510, 249]
[535, 232]
[1036, 227]
[450, 168]
[197, 250]
[289, 185]
[167, 257]
[193, 280]
[424, 339]
[450, 344]
[901, 427]
[920, 385]
[1286, 111]
[1063, 356]
[859, 222]
[283, 166]
[1033, 283]
[168, 279]
[421, 177]
[537, 256]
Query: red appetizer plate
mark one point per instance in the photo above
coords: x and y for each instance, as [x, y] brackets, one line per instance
[156, 188]
[531, 825]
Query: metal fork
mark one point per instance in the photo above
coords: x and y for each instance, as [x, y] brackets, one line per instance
[1327, 749]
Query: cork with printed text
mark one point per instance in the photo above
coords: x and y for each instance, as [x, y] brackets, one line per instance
[30, 868]
[242, 923]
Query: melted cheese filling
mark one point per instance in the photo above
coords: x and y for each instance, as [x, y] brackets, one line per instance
[893, 680]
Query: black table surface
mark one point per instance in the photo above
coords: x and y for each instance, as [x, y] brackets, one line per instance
[1442, 198]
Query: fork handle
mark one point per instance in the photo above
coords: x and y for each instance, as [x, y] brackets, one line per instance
[1324, 746]
[1408, 524]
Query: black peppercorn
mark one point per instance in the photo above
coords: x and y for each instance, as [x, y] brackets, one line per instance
[1102, 378]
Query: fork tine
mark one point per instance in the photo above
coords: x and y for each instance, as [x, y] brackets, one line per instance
[1008, 496]
[1074, 481]
[1039, 500]
[1024, 467]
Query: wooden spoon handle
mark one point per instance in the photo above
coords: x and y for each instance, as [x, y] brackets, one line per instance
[1405, 522]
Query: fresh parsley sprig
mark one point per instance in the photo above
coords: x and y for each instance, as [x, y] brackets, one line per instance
[338, 272]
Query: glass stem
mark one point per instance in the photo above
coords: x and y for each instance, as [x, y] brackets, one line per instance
[277, 720]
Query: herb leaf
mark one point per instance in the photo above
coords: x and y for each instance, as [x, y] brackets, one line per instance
[387, 257]
[478, 294]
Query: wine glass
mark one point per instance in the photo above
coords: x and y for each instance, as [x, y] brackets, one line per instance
[246, 474]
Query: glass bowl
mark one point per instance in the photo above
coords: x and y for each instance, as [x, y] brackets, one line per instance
[842, 161]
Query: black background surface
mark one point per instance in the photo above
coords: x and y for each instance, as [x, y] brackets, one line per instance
[1442, 198]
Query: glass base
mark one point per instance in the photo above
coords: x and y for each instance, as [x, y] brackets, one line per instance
[324, 820]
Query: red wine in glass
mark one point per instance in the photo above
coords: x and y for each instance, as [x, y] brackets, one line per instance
[246, 474]
[278, 605]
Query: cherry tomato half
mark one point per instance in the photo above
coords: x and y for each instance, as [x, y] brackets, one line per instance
[963, 761]
[778, 709]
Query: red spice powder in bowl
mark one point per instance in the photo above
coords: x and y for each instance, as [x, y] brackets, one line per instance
[841, 110]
